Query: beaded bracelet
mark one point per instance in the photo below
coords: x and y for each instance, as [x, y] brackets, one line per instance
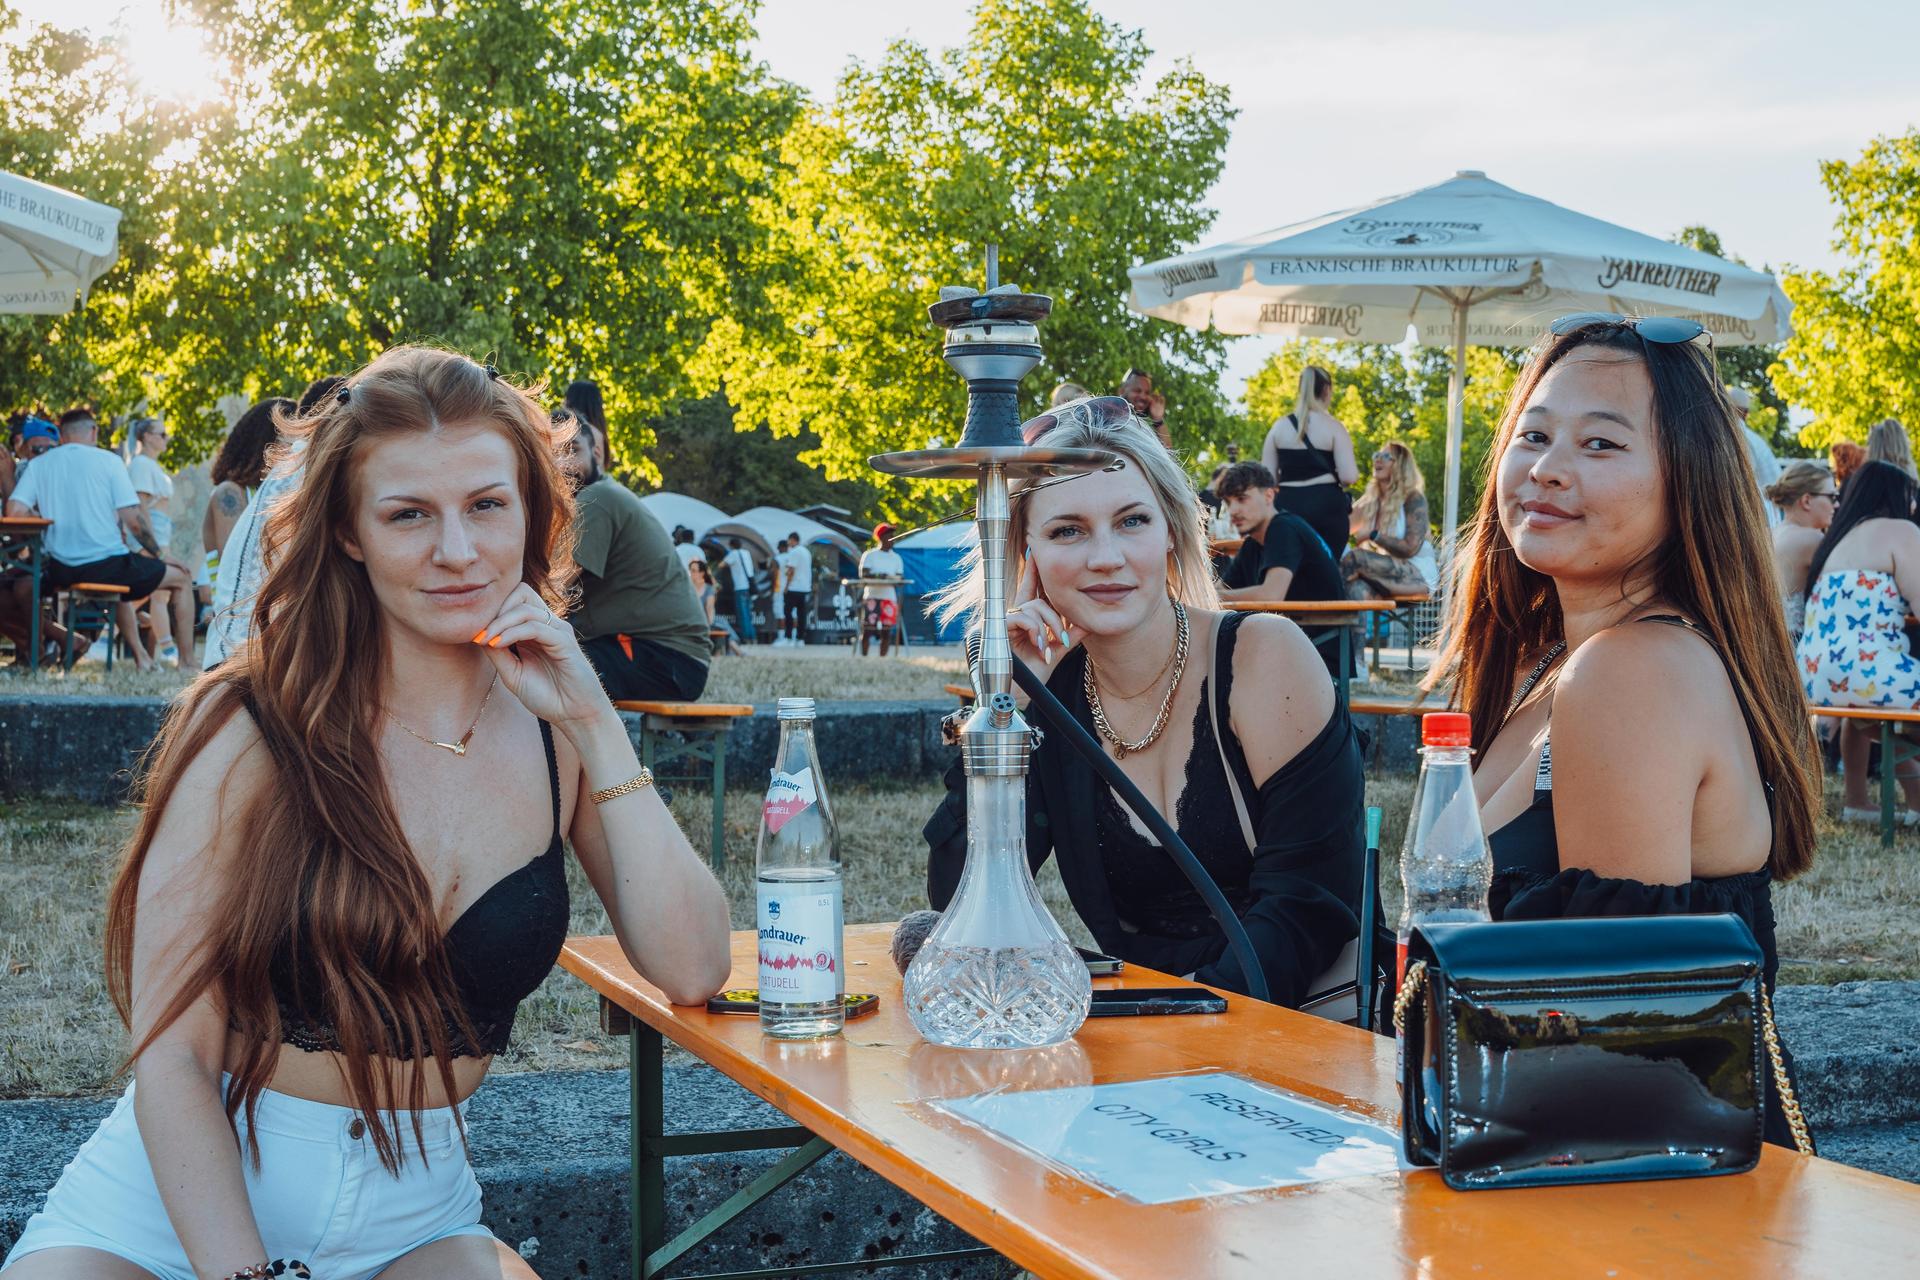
[268, 1270]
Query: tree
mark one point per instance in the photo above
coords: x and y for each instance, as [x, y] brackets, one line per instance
[704, 457]
[1854, 357]
[1748, 367]
[563, 186]
[1039, 135]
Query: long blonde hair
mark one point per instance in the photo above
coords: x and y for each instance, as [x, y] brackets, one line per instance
[1316, 388]
[1381, 504]
[1102, 422]
[1887, 442]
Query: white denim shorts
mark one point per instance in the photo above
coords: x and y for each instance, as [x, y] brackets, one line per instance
[319, 1195]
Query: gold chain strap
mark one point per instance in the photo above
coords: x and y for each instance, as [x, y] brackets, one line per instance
[1416, 980]
[1789, 1101]
[1409, 992]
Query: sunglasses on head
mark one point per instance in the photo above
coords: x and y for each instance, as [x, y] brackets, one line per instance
[1107, 411]
[1666, 330]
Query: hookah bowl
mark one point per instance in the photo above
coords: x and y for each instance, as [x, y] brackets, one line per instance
[997, 972]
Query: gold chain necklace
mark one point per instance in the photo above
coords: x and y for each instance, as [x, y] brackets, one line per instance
[458, 748]
[1090, 682]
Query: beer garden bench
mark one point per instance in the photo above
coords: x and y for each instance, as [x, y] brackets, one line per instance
[690, 733]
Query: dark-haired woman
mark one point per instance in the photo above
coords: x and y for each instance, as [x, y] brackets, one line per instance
[1311, 456]
[349, 870]
[1643, 743]
[1864, 581]
[583, 400]
[238, 469]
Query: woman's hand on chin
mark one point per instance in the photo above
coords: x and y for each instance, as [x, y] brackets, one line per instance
[1039, 635]
[539, 660]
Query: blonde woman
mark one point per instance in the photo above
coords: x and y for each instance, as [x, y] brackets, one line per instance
[1887, 442]
[1394, 556]
[1226, 721]
[1311, 456]
[1805, 495]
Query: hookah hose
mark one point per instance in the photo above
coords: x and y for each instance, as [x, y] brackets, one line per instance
[1060, 721]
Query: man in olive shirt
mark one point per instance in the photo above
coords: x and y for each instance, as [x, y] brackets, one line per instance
[640, 624]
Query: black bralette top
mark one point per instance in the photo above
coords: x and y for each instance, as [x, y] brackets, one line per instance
[500, 949]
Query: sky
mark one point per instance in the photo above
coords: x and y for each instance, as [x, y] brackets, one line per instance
[1654, 114]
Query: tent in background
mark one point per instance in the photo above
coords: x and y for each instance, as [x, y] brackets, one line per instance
[673, 509]
[930, 559]
[761, 527]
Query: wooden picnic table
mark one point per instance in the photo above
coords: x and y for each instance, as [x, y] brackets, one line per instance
[25, 533]
[862, 1093]
[1333, 618]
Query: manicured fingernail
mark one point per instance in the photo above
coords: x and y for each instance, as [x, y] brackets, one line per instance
[480, 636]
[494, 643]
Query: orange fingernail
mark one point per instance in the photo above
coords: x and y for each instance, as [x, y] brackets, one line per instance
[480, 636]
[494, 643]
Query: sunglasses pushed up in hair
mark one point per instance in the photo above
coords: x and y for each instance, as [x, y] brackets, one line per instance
[1665, 330]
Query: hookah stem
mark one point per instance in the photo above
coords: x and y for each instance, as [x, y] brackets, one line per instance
[992, 518]
[1103, 764]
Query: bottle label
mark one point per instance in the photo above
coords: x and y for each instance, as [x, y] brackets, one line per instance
[788, 796]
[799, 942]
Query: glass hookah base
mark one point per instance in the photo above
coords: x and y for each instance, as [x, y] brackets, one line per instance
[997, 998]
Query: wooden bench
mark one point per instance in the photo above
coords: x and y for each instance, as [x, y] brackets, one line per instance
[700, 732]
[92, 604]
[1405, 610]
[964, 692]
[1895, 750]
[1393, 707]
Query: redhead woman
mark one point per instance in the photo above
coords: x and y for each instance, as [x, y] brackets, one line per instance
[349, 865]
[1225, 721]
[1643, 744]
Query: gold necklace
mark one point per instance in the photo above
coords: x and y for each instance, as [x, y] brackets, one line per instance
[458, 748]
[1091, 684]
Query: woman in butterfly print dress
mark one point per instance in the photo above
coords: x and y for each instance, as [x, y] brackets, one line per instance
[1862, 584]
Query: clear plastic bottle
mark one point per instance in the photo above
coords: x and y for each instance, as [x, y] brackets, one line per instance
[1445, 865]
[797, 865]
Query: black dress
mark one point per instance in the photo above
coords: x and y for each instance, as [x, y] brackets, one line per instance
[1530, 884]
[1297, 892]
[1325, 507]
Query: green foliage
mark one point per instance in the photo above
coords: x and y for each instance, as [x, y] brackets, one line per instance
[1037, 134]
[702, 455]
[1749, 366]
[565, 186]
[1382, 394]
[1854, 357]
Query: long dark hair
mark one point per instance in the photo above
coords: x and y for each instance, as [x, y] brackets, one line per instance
[1716, 566]
[326, 879]
[1877, 491]
[243, 458]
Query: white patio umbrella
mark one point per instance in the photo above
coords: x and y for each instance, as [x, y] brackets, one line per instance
[53, 246]
[1464, 261]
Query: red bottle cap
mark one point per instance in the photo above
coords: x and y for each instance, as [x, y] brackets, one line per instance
[1446, 729]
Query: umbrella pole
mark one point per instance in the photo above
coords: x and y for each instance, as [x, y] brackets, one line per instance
[1456, 419]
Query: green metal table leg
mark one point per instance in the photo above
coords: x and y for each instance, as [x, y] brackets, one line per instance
[719, 801]
[647, 1176]
[646, 743]
[785, 1170]
[1346, 665]
[1887, 783]
[34, 546]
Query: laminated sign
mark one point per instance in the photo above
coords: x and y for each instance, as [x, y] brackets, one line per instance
[1181, 1137]
[788, 796]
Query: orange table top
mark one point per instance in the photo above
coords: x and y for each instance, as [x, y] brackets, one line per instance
[24, 524]
[1792, 1216]
[1307, 606]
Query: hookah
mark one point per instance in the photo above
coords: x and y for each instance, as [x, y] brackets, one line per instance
[997, 971]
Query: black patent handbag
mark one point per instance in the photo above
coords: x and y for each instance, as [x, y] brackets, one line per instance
[1551, 1052]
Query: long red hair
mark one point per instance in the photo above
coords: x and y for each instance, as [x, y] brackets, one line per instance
[327, 882]
[1716, 566]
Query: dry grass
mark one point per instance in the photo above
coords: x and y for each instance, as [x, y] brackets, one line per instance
[758, 677]
[1857, 915]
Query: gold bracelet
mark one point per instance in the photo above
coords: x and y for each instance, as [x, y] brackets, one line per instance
[643, 779]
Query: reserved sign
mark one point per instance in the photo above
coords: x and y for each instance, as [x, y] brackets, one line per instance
[1181, 1137]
